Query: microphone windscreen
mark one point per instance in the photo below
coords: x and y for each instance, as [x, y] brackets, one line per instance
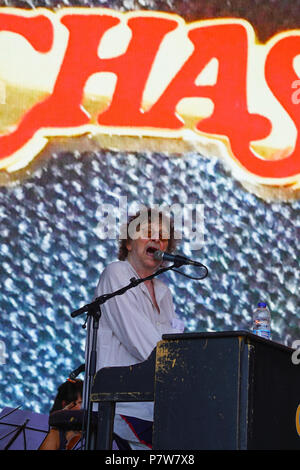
[159, 255]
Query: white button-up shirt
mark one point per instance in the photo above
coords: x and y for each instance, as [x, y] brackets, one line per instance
[130, 325]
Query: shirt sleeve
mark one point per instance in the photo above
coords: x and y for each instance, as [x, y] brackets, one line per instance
[123, 314]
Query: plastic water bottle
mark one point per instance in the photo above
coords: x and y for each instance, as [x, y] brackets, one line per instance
[262, 321]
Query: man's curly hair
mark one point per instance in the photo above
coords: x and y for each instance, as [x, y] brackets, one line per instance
[146, 215]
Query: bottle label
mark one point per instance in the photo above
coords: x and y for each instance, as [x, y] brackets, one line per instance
[263, 333]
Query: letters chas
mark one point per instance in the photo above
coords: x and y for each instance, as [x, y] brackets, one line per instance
[226, 40]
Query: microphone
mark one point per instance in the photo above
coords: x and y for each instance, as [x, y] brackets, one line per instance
[77, 371]
[177, 259]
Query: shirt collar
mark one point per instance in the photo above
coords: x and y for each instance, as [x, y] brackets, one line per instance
[160, 287]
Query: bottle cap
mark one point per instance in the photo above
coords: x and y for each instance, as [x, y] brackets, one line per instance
[262, 304]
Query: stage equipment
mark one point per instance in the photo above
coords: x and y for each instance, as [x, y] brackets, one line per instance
[22, 430]
[227, 390]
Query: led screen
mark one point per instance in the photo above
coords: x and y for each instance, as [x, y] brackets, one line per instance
[53, 200]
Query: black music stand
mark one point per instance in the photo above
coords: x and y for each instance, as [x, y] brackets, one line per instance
[22, 430]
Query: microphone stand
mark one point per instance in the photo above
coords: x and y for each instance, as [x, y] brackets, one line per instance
[94, 310]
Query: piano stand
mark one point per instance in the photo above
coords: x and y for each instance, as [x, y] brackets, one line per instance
[120, 384]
